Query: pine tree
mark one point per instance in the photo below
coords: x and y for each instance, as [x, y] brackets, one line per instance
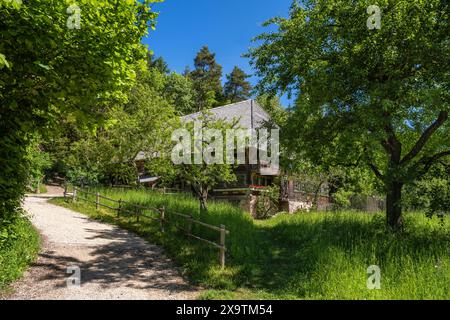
[207, 79]
[237, 88]
[158, 63]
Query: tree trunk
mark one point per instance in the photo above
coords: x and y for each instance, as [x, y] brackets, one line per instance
[203, 207]
[203, 197]
[393, 206]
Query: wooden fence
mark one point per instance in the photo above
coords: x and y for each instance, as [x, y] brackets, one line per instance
[162, 219]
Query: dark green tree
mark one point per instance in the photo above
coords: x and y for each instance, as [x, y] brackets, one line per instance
[373, 97]
[237, 88]
[158, 63]
[207, 79]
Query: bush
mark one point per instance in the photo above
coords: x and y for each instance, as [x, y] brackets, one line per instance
[19, 245]
[268, 202]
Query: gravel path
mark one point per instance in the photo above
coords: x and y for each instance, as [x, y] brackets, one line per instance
[113, 263]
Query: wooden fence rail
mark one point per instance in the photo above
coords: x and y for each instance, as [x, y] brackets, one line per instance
[122, 207]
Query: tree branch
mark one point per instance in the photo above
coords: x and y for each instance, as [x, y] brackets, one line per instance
[443, 116]
[427, 162]
[376, 171]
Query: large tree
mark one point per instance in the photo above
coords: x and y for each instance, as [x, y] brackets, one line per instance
[377, 97]
[57, 60]
[207, 79]
[237, 88]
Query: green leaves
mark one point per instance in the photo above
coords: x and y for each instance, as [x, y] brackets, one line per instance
[49, 71]
[362, 96]
[3, 62]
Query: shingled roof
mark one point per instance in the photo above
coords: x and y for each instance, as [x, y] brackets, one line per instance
[249, 113]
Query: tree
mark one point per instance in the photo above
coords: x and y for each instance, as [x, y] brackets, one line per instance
[237, 88]
[179, 90]
[207, 79]
[158, 63]
[272, 105]
[204, 176]
[378, 98]
[144, 124]
[50, 68]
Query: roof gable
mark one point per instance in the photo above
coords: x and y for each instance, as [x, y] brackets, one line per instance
[249, 112]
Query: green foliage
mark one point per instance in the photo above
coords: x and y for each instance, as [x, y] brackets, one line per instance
[179, 91]
[237, 88]
[374, 98]
[268, 202]
[49, 70]
[39, 161]
[272, 105]
[144, 124]
[203, 177]
[159, 64]
[432, 192]
[19, 245]
[304, 256]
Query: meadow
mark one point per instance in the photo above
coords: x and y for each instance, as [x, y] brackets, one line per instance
[316, 255]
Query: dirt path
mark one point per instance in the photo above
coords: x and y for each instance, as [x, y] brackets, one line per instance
[113, 263]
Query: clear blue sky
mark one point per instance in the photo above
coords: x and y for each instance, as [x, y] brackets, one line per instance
[225, 26]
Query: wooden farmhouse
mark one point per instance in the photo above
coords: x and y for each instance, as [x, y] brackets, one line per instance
[251, 178]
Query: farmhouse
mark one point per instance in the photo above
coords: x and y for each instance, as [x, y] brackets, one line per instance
[251, 178]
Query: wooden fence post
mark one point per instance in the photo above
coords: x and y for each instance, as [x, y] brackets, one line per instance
[162, 212]
[97, 200]
[74, 196]
[65, 190]
[119, 208]
[222, 246]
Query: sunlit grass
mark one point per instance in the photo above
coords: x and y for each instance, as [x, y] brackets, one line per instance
[303, 256]
[19, 250]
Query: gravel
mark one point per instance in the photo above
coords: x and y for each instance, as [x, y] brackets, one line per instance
[113, 263]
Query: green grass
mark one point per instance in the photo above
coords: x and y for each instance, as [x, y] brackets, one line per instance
[19, 250]
[303, 256]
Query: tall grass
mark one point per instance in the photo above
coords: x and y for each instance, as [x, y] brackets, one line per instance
[17, 252]
[303, 256]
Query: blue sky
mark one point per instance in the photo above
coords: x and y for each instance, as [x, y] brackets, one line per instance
[225, 26]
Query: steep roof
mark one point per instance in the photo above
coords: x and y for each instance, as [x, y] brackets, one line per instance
[249, 113]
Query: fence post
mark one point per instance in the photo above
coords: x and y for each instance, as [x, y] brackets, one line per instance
[162, 212]
[65, 190]
[97, 200]
[74, 196]
[222, 246]
[119, 208]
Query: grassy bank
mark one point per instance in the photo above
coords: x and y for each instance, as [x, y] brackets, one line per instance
[17, 251]
[304, 256]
